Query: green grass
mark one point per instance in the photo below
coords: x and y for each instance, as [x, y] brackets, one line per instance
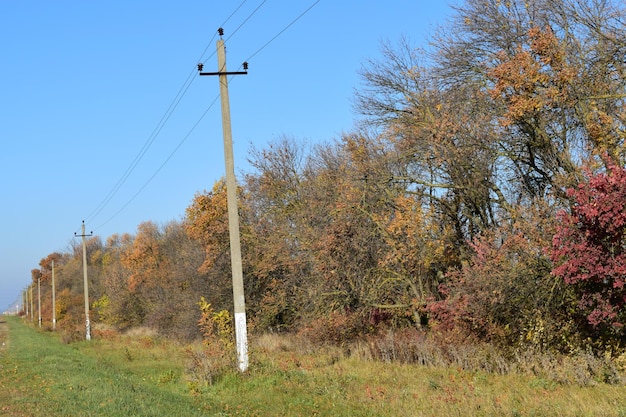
[41, 376]
[144, 376]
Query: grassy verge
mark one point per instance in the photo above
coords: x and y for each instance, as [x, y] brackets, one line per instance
[41, 376]
[143, 376]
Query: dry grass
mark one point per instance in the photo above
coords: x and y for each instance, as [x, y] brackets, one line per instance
[141, 331]
[289, 376]
[582, 368]
[298, 379]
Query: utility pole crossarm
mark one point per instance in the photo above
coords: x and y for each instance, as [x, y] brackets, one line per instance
[225, 73]
[245, 72]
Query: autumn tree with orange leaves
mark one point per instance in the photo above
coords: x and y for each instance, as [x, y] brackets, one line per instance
[163, 279]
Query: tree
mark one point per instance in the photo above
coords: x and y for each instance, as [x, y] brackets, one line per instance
[279, 245]
[206, 222]
[163, 282]
[119, 306]
[589, 248]
[417, 252]
[504, 292]
[178, 315]
[441, 139]
[505, 106]
[555, 74]
[347, 185]
[495, 121]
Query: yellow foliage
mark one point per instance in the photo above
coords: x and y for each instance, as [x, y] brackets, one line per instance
[215, 327]
[103, 308]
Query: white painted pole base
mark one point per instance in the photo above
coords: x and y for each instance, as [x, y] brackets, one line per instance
[241, 334]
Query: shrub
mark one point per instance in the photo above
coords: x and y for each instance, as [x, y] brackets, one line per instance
[338, 328]
[504, 294]
[413, 346]
[589, 250]
[216, 356]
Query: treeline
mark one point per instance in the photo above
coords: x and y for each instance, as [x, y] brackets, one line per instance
[480, 198]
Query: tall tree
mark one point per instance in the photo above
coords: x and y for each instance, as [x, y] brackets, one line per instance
[279, 256]
[510, 100]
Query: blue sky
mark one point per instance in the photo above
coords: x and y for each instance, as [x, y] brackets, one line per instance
[85, 84]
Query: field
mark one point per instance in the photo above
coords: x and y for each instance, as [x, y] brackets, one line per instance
[143, 375]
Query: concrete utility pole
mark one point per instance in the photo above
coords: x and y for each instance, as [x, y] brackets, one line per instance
[241, 333]
[85, 283]
[39, 298]
[32, 314]
[54, 306]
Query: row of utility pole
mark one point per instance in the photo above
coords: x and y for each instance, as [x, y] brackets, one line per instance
[27, 300]
[27, 296]
[241, 335]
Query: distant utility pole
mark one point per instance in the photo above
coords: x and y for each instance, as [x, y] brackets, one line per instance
[85, 283]
[39, 298]
[54, 307]
[32, 314]
[241, 333]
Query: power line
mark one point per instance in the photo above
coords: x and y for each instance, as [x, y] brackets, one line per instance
[175, 102]
[213, 38]
[246, 20]
[284, 29]
[161, 166]
[164, 119]
[143, 150]
[238, 27]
